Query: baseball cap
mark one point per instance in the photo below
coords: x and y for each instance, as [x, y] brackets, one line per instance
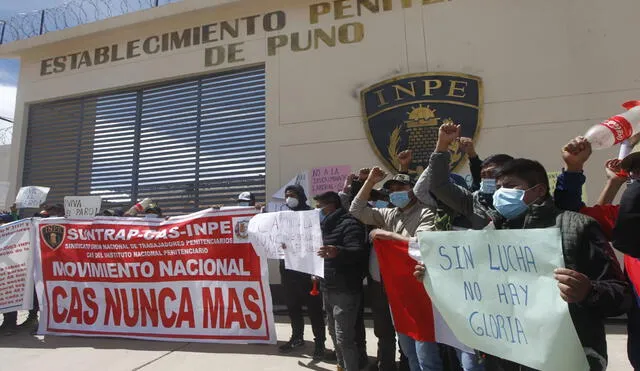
[403, 179]
[246, 196]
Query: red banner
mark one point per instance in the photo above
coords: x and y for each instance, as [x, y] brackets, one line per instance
[194, 278]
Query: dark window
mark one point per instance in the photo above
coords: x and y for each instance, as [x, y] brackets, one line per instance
[187, 144]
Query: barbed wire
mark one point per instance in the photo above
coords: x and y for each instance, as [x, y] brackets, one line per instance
[73, 13]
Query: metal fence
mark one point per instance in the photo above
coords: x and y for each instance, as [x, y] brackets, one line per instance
[74, 13]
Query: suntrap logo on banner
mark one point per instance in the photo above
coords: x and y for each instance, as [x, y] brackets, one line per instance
[406, 112]
[216, 35]
[183, 278]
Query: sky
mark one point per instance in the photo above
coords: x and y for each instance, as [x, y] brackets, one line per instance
[9, 68]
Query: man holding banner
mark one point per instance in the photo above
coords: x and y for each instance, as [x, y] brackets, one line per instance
[404, 221]
[590, 283]
[297, 286]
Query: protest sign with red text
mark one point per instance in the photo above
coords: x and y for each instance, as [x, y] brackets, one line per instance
[194, 278]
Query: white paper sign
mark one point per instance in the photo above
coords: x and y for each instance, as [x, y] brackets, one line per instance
[300, 232]
[82, 207]
[31, 197]
[16, 265]
[264, 235]
[4, 189]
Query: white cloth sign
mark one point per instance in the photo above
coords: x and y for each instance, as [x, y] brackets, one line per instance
[82, 207]
[193, 278]
[31, 197]
[16, 266]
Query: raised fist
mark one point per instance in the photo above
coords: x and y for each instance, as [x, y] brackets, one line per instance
[363, 174]
[447, 134]
[612, 168]
[576, 153]
[376, 175]
[405, 158]
[467, 146]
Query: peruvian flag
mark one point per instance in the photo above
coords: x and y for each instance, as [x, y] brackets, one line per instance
[413, 313]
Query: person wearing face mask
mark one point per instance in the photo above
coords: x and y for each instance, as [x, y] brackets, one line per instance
[383, 327]
[590, 283]
[246, 199]
[403, 221]
[345, 257]
[297, 286]
[475, 206]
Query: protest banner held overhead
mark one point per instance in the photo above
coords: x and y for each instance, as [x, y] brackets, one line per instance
[16, 266]
[497, 292]
[31, 197]
[194, 278]
[82, 207]
[328, 178]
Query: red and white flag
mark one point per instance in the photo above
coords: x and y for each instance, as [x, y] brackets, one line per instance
[413, 313]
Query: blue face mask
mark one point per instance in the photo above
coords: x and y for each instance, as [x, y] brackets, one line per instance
[322, 216]
[381, 204]
[243, 203]
[510, 202]
[488, 186]
[400, 199]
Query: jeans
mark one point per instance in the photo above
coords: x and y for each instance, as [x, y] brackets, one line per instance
[297, 286]
[383, 327]
[361, 334]
[469, 361]
[342, 313]
[423, 356]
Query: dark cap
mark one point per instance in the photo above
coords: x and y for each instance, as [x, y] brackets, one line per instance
[153, 209]
[631, 162]
[403, 179]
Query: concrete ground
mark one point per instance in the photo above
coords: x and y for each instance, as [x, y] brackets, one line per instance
[23, 352]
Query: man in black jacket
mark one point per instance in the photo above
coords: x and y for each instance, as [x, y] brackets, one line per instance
[590, 283]
[297, 286]
[345, 255]
[625, 233]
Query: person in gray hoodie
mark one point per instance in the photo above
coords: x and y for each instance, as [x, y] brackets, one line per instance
[477, 206]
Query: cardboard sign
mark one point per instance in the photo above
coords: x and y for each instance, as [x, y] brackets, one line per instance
[31, 197]
[496, 291]
[82, 207]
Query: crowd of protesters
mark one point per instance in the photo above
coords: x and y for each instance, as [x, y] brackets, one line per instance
[505, 193]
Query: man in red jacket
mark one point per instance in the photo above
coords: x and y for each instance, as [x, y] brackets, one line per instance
[617, 221]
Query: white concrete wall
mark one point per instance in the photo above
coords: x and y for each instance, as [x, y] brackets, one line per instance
[550, 70]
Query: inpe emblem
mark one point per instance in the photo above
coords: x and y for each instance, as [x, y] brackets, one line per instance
[52, 235]
[405, 113]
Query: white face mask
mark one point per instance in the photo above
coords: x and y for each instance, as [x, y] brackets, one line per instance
[292, 202]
